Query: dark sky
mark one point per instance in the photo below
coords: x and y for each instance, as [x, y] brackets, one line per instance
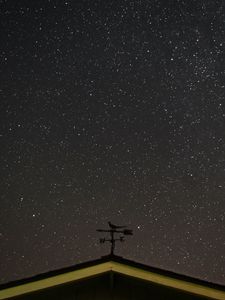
[112, 110]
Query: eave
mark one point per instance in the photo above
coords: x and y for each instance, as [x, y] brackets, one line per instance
[117, 265]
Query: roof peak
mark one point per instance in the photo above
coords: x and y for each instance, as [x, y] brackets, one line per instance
[118, 265]
[111, 258]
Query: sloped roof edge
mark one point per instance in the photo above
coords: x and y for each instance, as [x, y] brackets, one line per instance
[116, 264]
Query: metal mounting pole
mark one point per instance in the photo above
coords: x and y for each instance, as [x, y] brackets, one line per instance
[112, 242]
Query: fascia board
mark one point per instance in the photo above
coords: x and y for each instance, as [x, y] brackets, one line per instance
[55, 280]
[117, 267]
[168, 281]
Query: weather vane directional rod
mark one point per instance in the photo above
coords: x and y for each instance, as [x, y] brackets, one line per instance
[114, 229]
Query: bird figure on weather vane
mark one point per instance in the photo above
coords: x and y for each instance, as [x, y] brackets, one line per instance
[114, 229]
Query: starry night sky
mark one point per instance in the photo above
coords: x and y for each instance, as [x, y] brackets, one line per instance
[112, 110]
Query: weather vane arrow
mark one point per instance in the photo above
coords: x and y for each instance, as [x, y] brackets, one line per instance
[114, 229]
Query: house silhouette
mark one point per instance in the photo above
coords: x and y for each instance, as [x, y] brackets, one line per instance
[111, 277]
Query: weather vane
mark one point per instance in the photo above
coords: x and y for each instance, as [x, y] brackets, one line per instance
[114, 229]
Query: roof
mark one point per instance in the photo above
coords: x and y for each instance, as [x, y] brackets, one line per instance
[117, 264]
